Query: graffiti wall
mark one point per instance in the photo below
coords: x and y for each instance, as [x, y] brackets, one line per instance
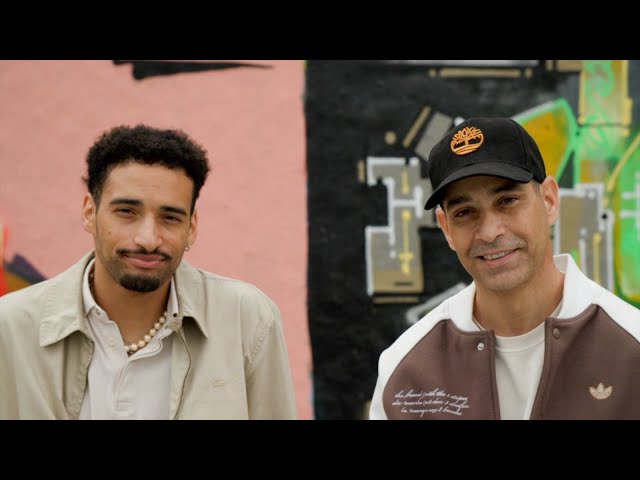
[378, 262]
[252, 210]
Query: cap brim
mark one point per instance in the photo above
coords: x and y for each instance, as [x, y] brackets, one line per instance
[493, 169]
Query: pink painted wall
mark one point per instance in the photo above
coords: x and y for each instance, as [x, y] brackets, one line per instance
[252, 209]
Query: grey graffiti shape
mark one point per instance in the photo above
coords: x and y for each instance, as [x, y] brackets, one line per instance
[414, 314]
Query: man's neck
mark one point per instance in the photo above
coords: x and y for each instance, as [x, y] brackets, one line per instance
[518, 311]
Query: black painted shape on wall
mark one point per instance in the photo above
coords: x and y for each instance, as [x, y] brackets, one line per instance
[21, 267]
[153, 68]
[349, 106]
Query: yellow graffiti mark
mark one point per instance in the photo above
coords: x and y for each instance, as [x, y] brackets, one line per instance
[405, 182]
[554, 131]
[361, 172]
[613, 179]
[390, 137]
[407, 255]
[416, 126]
[554, 127]
[569, 65]
[597, 243]
[480, 72]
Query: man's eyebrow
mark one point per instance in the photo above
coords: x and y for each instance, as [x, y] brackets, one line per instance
[508, 186]
[138, 203]
[126, 201]
[176, 210]
[452, 202]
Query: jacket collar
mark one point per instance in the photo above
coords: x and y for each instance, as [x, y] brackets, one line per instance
[577, 291]
[192, 295]
[64, 313]
[576, 296]
[461, 309]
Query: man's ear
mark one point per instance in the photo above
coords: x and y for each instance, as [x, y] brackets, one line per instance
[193, 229]
[550, 192]
[444, 225]
[89, 210]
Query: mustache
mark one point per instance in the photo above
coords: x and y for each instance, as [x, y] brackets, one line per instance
[142, 251]
[482, 249]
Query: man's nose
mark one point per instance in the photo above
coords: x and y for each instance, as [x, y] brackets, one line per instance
[490, 227]
[148, 235]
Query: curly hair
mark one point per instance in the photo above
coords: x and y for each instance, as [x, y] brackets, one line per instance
[147, 145]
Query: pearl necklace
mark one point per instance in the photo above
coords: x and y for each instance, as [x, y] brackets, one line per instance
[135, 346]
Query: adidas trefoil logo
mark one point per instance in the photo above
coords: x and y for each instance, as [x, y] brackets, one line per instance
[601, 393]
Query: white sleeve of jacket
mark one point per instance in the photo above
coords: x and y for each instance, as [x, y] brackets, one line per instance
[376, 411]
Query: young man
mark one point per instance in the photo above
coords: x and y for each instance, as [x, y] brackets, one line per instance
[132, 331]
[532, 336]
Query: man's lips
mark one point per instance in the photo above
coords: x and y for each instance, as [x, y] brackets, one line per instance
[496, 258]
[145, 260]
[495, 255]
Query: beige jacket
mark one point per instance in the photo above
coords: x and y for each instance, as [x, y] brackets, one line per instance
[229, 359]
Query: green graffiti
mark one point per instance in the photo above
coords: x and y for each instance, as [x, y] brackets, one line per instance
[599, 85]
[624, 191]
[603, 83]
[575, 255]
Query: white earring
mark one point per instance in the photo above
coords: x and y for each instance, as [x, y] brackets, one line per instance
[186, 249]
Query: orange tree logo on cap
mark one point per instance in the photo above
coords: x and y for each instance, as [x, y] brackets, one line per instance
[467, 140]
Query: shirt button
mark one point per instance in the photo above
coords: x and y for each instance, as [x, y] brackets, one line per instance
[480, 346]
[98, 312]
[111, 341]
[556, 333]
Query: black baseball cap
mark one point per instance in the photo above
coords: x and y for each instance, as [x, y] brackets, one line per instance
[499, 147]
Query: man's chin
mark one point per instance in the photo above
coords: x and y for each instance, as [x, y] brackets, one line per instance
[140, 283]
[504, 283]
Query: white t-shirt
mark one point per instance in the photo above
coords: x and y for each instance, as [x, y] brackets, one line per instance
[519, 363]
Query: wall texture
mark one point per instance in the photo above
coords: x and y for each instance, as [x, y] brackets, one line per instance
[247, 114]
[377, 260]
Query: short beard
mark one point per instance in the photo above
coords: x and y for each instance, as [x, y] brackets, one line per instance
[139, 283]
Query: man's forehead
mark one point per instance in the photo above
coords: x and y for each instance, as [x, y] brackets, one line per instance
[153, 184]
[132, 173]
